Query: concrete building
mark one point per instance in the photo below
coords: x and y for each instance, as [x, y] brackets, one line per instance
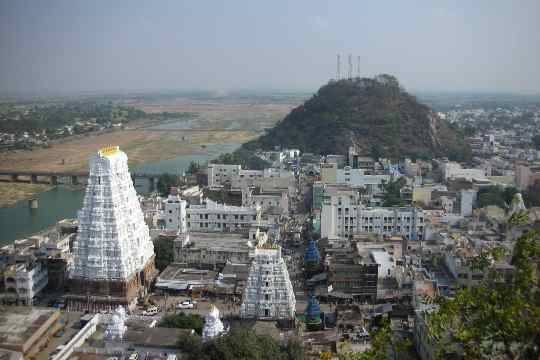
[330, 174]
[526, 175]
[113, 256]
[266, 199]
[212, 250]
[220, 175]
[269, 294]
[213, 217]
[453, 170]
[343, 215]
[27, 330]
[23, 281]
[174, 213]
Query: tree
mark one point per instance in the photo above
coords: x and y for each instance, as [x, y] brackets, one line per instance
[165, 182]
[164, 250]
[193, 168]
[496, 195]
[392, 194]
[241, 343]
[183, 321]
[500, 318]
[536, 141]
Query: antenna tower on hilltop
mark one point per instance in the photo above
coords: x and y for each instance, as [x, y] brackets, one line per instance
[350, 67]
[338, 75]
[358, 67]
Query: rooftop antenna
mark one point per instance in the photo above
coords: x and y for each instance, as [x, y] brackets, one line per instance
[358, 67]
[338, 67]
[350, 67]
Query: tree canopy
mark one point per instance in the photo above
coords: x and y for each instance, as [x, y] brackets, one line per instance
[500, 318]
[240, 343]
[183, 321]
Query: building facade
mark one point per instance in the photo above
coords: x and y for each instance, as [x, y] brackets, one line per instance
[22, 282]
[343, 215]
[213, 217]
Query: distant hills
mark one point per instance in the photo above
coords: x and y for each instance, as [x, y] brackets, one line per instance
[376, 115]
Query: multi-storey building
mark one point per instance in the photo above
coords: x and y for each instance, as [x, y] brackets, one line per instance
[22, 282]
[343, 215]
[220, 175]
[174, 213]
[213, 217]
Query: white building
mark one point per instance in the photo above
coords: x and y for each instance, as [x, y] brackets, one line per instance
[211, 216]
[174, 213]
[220, 174]
[343, 215]
[269, 293]
[453, 170]
[112, 238]
[330, 174]
[22, 282]
[266, 200]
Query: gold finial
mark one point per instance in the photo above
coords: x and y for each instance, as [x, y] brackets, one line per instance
[108, 150]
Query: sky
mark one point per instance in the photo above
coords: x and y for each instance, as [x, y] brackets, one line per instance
[75, 45]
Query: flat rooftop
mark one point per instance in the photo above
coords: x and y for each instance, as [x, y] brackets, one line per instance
[18, 324]
[218, 241]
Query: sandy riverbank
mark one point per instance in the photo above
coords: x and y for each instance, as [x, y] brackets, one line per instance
[10, 193]
[141, 146]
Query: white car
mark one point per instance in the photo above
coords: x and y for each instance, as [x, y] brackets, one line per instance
[151, 311]
[187, 304]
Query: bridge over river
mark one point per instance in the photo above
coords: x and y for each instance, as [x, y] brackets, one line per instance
[70, 177]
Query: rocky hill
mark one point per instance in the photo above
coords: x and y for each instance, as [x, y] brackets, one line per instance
[376, 115]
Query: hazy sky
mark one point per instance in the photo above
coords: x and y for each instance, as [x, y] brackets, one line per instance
[64, 46]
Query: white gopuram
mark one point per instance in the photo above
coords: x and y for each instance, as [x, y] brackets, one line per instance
[116, 328]
[269, 293]
[113, 241]
[112, 254]
[213, 327]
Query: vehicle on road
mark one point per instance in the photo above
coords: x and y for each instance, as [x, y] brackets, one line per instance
[134, 356]
[186, 304]
[151, 311]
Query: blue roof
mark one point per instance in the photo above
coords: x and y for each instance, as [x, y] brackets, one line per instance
[312, 253]
[313, 310]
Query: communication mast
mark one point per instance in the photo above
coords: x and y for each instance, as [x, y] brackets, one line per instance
[350, 67]
[338, 75]
[358, 67]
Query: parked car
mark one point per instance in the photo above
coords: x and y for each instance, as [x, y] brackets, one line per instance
[151, 311]
[186, 304]
[134, 356]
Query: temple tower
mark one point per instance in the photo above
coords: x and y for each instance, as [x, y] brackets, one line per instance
[113, 256]
[213, 327]
[269, 293]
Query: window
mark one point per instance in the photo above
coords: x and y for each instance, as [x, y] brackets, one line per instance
[170, 220]
[170, 211]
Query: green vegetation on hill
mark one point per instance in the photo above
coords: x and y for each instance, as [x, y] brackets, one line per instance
[243, 157]
[376, 115]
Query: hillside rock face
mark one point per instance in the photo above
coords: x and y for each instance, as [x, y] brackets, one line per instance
[376, 115]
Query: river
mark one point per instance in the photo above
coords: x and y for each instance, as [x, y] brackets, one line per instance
[63, 201]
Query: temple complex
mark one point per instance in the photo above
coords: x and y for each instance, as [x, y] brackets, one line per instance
[213, 326]
[269, 293]
[113, 256]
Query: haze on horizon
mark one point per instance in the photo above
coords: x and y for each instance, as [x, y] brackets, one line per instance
[73, 46]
